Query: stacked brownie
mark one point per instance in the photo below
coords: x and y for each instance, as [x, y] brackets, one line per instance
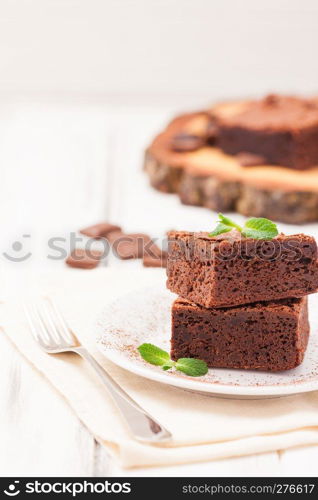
[242, 301]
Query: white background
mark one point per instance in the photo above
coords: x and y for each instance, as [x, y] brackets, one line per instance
[176, 51]
[83, 87]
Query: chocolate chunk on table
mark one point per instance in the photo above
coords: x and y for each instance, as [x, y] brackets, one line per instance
[84, 258]
[100, 230]
[230, 270]
[270, 336]
[129, 246]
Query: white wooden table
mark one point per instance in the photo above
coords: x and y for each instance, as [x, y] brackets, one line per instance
[63, 166]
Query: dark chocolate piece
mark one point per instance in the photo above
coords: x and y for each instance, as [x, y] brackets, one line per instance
[129, 246]
[100, 230]
[269, 336]
[114, 236]
[84, 259]
[230, 270]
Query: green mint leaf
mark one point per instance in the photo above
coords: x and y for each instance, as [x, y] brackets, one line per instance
[257, 228]
[168, 366]
[229, 222]
[224, 226]
[260, 228]
[154, 355]
[220, 229]
[192, 367]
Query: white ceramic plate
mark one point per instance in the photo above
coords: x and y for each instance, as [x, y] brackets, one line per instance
[144, 316]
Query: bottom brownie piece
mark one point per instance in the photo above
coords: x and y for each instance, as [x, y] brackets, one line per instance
[270, 336]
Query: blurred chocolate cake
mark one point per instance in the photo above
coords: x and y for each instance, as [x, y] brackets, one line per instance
[259, 158]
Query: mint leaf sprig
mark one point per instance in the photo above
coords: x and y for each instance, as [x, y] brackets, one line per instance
[257, 228]
[156, 356]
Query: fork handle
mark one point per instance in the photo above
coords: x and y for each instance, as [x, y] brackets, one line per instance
[142, 425]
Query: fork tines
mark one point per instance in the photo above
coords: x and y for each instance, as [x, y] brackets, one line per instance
[48, 326]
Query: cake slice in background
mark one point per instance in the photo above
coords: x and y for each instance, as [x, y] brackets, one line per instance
[259, 158]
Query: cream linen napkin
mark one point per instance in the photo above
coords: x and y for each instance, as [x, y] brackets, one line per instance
[203, 428]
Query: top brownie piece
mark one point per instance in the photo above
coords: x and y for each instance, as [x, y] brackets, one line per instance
[282, 130]
[229, 270]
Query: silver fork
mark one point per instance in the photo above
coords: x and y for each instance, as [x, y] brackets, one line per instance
[52, 333]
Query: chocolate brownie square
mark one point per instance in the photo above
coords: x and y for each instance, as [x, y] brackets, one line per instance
[229, 270]
[270, 336]
[283, 130]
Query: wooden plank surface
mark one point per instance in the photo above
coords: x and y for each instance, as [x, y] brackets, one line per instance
[63, 167]
[39, 434]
